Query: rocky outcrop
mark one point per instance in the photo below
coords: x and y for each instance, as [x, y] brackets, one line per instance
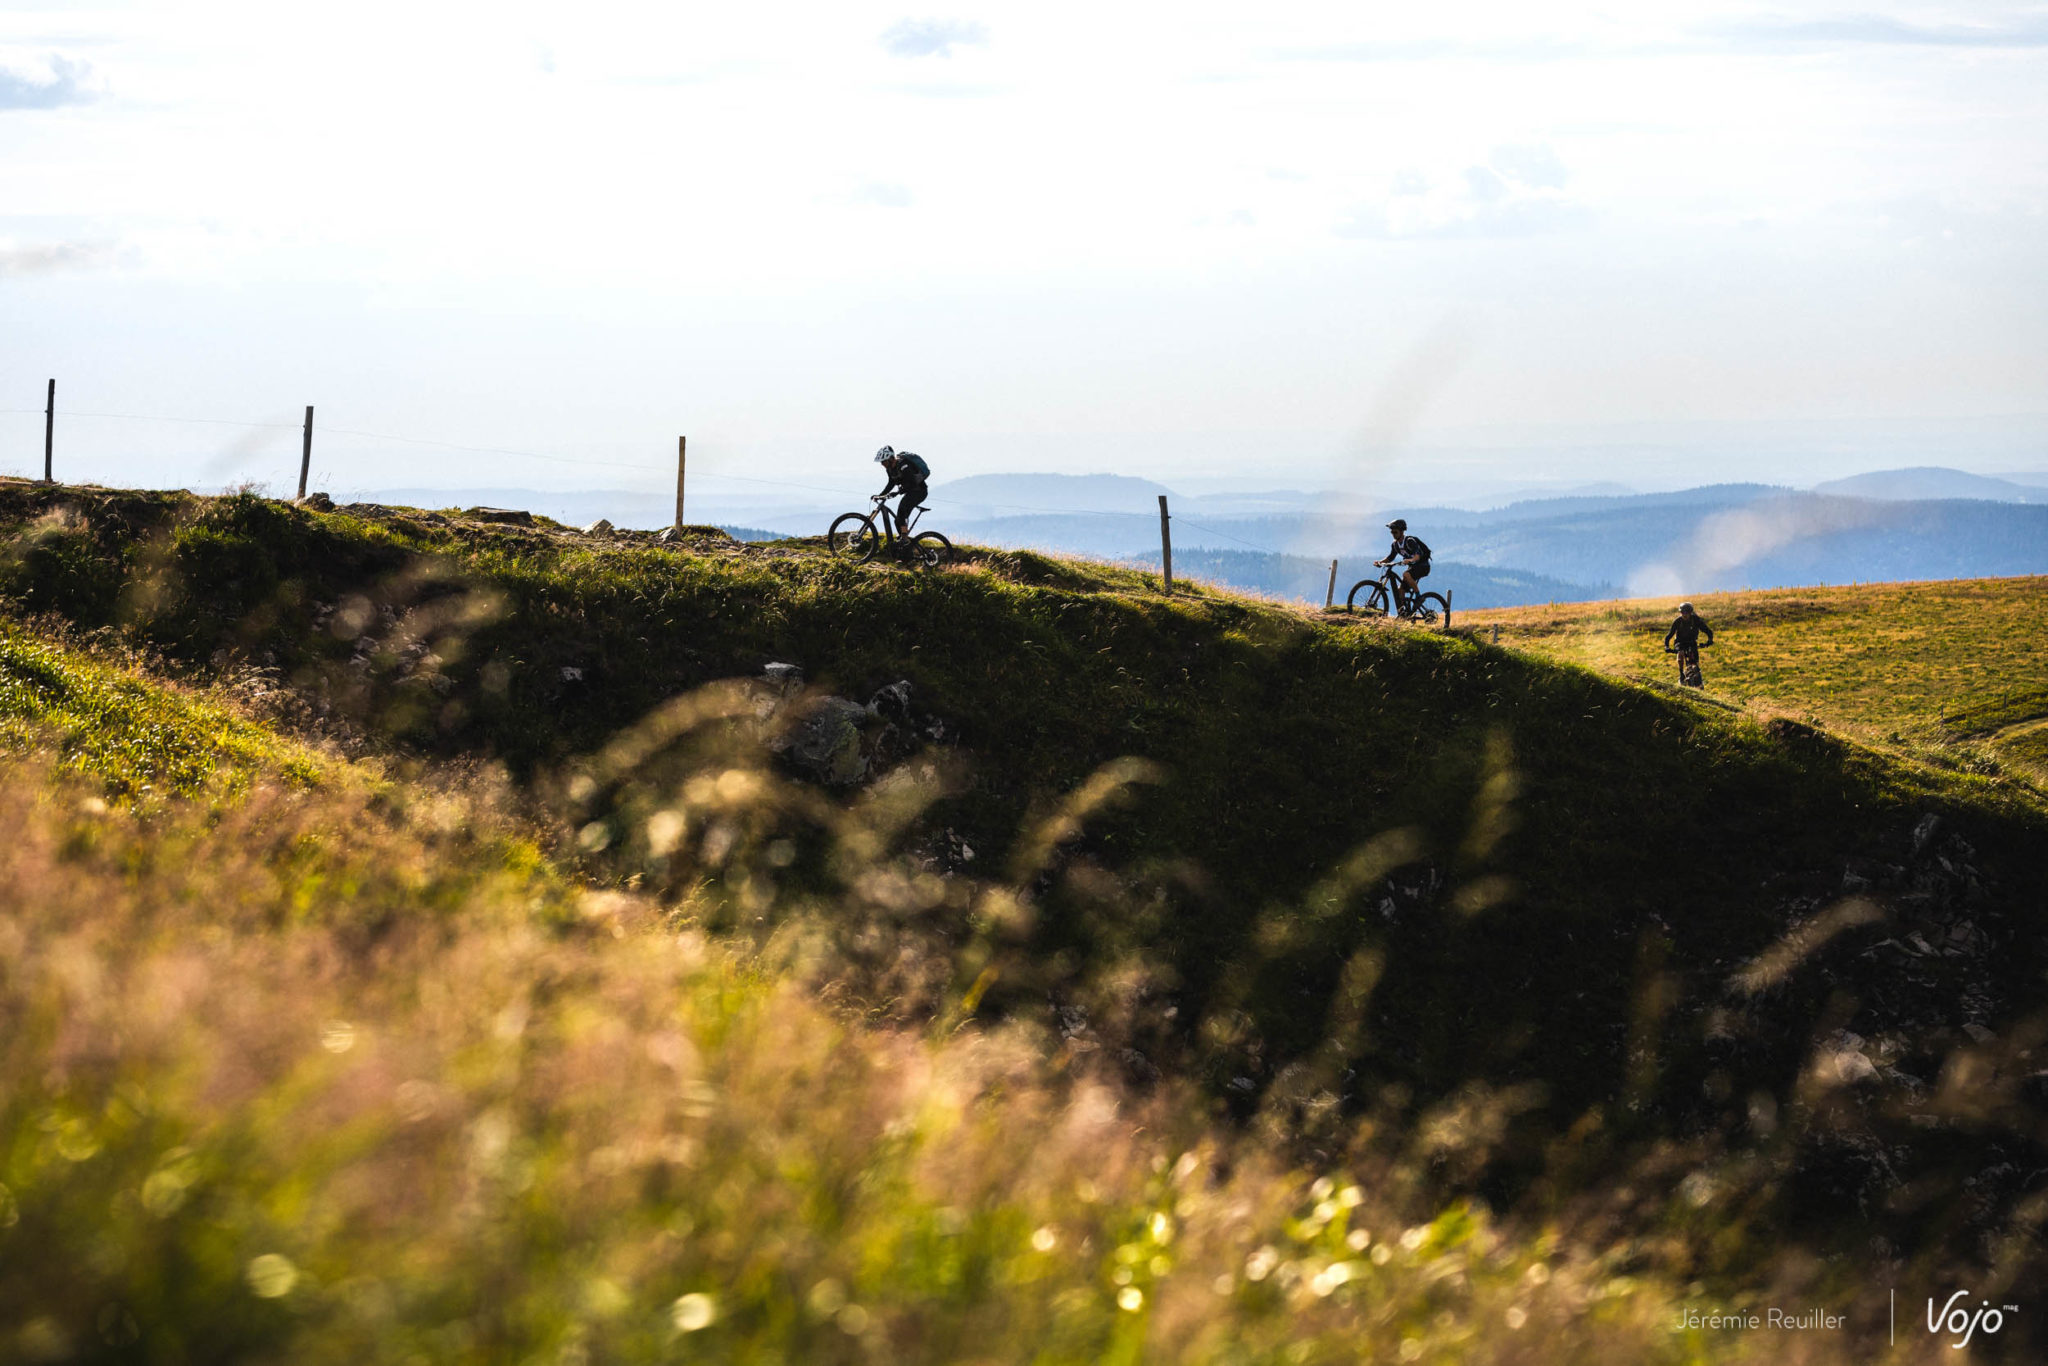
[839, 742]
[504, 516]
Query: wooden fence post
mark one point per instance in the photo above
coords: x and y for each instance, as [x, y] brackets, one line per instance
[306, 453]
[49, 432]
[1330, 598]
[1165, 547]
[682, 444]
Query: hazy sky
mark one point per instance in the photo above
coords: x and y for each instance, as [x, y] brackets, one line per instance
[1286, 241]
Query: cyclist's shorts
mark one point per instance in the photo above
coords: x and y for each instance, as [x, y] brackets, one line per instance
[1421, 570]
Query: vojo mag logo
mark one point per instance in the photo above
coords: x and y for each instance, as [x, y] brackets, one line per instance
[1956, 1319]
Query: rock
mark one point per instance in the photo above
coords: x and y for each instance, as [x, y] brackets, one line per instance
[600, 527]
[892, 701]
[1979, 1033]
[784, 678]
[1924, 833]
[319, 502]
[1851, 1067]
[512, 516]
[571, 674]
[825, 743]
[669, 535]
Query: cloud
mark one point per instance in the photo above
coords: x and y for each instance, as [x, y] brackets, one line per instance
[1874, 28]
[883, 196]
[63, 82]
[950, 90]
[1439, 49]
[932, 37]
[1536, 166]
[1484, 186]
[1515, 197]
[48, 258]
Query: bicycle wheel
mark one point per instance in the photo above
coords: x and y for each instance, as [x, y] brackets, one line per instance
[1375, 600]
[1431, 608]
[930, 551]
[854, 537]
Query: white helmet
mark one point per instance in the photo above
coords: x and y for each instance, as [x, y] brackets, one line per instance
[887, 453]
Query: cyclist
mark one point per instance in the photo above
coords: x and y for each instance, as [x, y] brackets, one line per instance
[1686, 632]
[907, 472]
[1416, 552]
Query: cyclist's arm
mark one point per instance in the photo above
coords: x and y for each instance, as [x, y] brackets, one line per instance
[1708, 632]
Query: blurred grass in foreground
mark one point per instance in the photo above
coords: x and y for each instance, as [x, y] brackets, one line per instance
[325, 1076]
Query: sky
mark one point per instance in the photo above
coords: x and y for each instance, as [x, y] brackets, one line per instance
[1295, 244]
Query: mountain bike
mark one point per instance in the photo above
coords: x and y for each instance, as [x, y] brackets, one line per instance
[1689, 675]
[860, 536]
[1383, 593]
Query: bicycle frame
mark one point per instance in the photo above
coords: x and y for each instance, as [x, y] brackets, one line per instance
[1397, 590]
[892, 529]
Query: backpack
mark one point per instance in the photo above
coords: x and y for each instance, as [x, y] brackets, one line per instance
[1415, 548]
[916, 463]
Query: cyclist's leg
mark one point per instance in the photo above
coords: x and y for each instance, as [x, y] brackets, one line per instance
[906, 506]
[913, 496]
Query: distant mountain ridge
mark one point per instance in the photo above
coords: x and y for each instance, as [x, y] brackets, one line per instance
[1301, 579]
[1921, 483]
[1280, 541]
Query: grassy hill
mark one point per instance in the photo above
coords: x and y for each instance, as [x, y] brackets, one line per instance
[1305, 896]
[1954, 673]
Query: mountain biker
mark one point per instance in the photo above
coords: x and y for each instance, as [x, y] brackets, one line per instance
[1686, 632]
[907, 472]
[1413, 549]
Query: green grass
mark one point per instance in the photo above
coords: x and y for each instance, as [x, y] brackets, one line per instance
[1368, 870]
[137, 738]
[1914, 667]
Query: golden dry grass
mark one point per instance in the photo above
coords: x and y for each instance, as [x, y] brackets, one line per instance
[1892, 664]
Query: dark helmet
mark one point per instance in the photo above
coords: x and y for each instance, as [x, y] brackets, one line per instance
[1397, 526]
[1685, 607]
[885, 455]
